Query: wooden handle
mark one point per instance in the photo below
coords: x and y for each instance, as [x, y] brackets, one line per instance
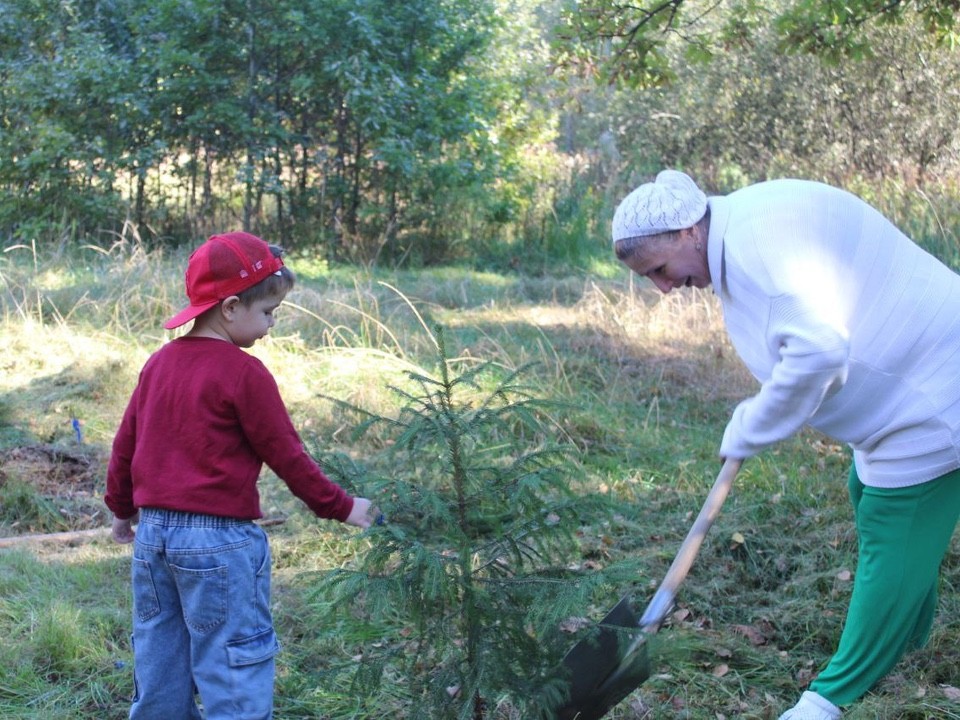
[663, 599]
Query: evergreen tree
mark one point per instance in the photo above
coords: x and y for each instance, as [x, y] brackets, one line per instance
[481, 515]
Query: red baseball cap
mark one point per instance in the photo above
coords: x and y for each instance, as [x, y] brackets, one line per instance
[224, 265]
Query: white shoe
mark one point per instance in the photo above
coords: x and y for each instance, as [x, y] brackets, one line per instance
[812, 707]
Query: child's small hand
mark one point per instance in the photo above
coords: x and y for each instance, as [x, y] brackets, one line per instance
[364, 514]
[122, 530]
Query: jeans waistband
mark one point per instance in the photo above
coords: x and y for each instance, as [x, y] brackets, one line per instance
[179, 518]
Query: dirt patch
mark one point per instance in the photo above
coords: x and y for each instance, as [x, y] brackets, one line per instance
[53, 471]
[65, 481]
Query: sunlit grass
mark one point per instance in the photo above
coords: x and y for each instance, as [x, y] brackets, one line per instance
[645, 383]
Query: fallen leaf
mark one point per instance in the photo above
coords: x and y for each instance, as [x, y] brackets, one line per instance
[755, 636]
[572, 624]
[738, 539]
[805, 676]
[951, 692]
[639, 708]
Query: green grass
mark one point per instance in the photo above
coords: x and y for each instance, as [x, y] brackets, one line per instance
[647, 385]
[65, 623]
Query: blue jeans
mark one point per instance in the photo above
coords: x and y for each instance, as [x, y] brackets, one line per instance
[201, 618]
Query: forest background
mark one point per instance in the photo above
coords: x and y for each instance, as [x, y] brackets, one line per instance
[442, 174]
[493, 132]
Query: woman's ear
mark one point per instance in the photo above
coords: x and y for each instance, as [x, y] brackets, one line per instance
[693, 235]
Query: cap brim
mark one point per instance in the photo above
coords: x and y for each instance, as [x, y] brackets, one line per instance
[187, 314]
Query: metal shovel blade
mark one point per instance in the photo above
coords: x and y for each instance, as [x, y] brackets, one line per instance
[607, 666]
[600, 655]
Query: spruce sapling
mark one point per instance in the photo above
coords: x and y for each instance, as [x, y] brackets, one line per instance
[481, 505]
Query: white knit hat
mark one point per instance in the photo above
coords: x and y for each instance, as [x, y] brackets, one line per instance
[672, 202]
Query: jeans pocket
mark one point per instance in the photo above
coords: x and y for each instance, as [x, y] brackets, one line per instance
[254, 649]
[203, 596]
[145, 600]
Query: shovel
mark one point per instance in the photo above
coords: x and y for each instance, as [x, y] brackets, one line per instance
[612, 662]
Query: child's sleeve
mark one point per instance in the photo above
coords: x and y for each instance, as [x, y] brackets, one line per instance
[119, 495]
[270, 431]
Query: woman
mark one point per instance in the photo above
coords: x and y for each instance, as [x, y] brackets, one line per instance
[850, 328]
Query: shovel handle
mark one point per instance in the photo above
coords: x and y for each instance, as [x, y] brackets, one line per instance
[663, 599]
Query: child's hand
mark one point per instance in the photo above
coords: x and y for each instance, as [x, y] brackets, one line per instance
[364, 514]
[122, 530]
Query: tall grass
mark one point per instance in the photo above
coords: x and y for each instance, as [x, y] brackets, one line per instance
[647, 382]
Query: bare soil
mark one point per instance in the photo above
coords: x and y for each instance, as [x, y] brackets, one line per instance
[66, 484]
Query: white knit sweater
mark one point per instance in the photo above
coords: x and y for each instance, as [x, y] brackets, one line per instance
[848, 325]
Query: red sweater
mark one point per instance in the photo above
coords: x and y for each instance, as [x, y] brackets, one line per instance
[202, 420]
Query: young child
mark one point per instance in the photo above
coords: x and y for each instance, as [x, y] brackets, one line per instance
[203, 419]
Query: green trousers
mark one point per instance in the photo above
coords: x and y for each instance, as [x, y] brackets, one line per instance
[903, 535]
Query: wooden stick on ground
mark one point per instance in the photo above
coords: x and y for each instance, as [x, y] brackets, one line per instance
[77, 536]
[72, 536]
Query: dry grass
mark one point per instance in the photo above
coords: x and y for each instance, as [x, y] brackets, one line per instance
[648, 383]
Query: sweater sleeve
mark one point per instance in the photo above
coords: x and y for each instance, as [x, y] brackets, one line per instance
[810, 365]
[119, 495]
[271, 433]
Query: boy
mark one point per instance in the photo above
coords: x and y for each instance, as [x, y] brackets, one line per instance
[203, 419]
